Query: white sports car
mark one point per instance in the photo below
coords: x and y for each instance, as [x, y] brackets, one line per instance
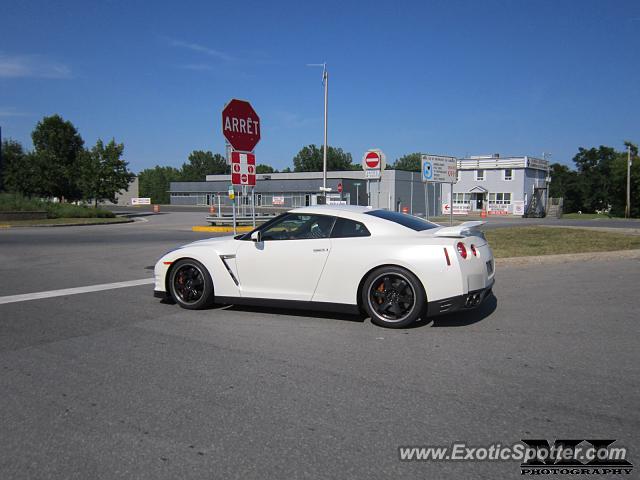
[394, 266]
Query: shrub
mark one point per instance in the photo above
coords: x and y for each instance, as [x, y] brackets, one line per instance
[17, 203]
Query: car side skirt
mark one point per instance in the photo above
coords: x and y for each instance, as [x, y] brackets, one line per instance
[290, 304]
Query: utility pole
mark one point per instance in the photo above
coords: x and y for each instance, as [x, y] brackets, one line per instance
[1, 171]
[325, 80]
[325, 83]
[627, 210]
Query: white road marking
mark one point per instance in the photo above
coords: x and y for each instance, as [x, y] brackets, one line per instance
[74, 291]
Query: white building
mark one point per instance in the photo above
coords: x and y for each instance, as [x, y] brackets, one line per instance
[501, 185]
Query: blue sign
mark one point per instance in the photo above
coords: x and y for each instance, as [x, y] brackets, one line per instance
[427, 170]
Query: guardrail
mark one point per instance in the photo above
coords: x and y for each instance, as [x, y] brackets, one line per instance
[240, 220]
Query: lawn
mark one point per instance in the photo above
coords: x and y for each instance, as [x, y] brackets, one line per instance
[534, 241]
[589, 216]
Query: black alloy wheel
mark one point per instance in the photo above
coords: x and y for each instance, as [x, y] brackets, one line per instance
[393, 297]
[190, 284]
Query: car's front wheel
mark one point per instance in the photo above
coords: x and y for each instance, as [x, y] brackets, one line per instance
[393, 297]
[190, 284]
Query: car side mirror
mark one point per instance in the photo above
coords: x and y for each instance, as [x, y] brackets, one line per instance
[256, 236]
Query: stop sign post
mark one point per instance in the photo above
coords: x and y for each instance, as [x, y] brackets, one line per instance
[241, 128]
[373, 162]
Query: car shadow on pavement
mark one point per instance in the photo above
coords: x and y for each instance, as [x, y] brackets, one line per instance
[463, 318]
[458, 319]
[294, 312]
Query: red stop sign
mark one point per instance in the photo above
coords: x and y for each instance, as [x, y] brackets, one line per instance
[372, 159]
[340, 188]
[241, 125]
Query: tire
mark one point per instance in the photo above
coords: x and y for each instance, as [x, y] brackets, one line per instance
[190, 284]
[393, 297]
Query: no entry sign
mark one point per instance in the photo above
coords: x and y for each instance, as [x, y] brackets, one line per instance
[243, 169]
[241, 125]
[373, 162]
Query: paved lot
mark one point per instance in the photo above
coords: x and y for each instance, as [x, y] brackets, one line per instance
[116, 384]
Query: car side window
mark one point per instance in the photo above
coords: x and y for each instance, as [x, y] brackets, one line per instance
[299, 227]
[345, 228]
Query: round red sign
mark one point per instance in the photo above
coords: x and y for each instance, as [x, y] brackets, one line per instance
[372, 159]
[340, 188]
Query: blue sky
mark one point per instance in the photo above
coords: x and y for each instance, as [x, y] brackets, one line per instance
[451, 77]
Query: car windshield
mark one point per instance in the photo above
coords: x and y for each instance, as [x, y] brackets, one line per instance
[404, 219]
[247, 236]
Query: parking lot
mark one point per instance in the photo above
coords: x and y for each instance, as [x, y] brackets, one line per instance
[115, 383]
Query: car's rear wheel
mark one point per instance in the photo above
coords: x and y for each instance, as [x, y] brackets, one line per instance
[190, 284]
[393, 297]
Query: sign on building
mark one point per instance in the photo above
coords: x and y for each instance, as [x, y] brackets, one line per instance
[439, 168]
[518, 207]
[141, 201]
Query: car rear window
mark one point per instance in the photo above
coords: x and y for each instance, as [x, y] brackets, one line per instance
[404, 219]
[345, 228]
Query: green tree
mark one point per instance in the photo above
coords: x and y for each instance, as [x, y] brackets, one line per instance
[58, 148]
[103, 172]
[565, 183]
[13, 162]
[262, 168]
[201, 164]
[596, 183]
[309, 159]
[154, 182]
[410, 162]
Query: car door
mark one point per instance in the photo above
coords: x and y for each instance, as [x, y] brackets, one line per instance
[288, 261]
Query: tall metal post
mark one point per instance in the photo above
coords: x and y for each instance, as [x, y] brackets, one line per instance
[1, 172]
[253, 205]
[357, 193]
[451, 206]
[627, 210]
[234, 215]
[325, 80]
[426, 200]
[411, 196]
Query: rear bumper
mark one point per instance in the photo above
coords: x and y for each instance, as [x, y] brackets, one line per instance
[468, 301]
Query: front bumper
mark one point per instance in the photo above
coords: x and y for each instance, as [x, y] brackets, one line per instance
[467, 301]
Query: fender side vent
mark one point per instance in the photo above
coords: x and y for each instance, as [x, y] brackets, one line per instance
[224, 259]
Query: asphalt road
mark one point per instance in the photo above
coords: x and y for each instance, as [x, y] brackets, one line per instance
[116, 384]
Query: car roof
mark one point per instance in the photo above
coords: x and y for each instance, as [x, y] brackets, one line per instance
[337, 210]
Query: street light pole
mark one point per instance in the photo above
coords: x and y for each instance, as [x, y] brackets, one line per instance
[325, 80]
[325, 83]
[627, 210]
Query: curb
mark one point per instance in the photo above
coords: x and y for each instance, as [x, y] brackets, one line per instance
[568, 257]
[51, 225]
[220, 229]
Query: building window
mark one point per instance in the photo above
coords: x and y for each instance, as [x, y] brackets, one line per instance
[461, 198]
[459, 174]
[500, 198]
[508, 174]
[479, 175]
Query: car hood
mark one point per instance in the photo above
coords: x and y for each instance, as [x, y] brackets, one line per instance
[215, 241]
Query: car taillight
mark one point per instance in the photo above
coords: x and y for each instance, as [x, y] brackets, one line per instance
[473, 250]
[462, 250]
